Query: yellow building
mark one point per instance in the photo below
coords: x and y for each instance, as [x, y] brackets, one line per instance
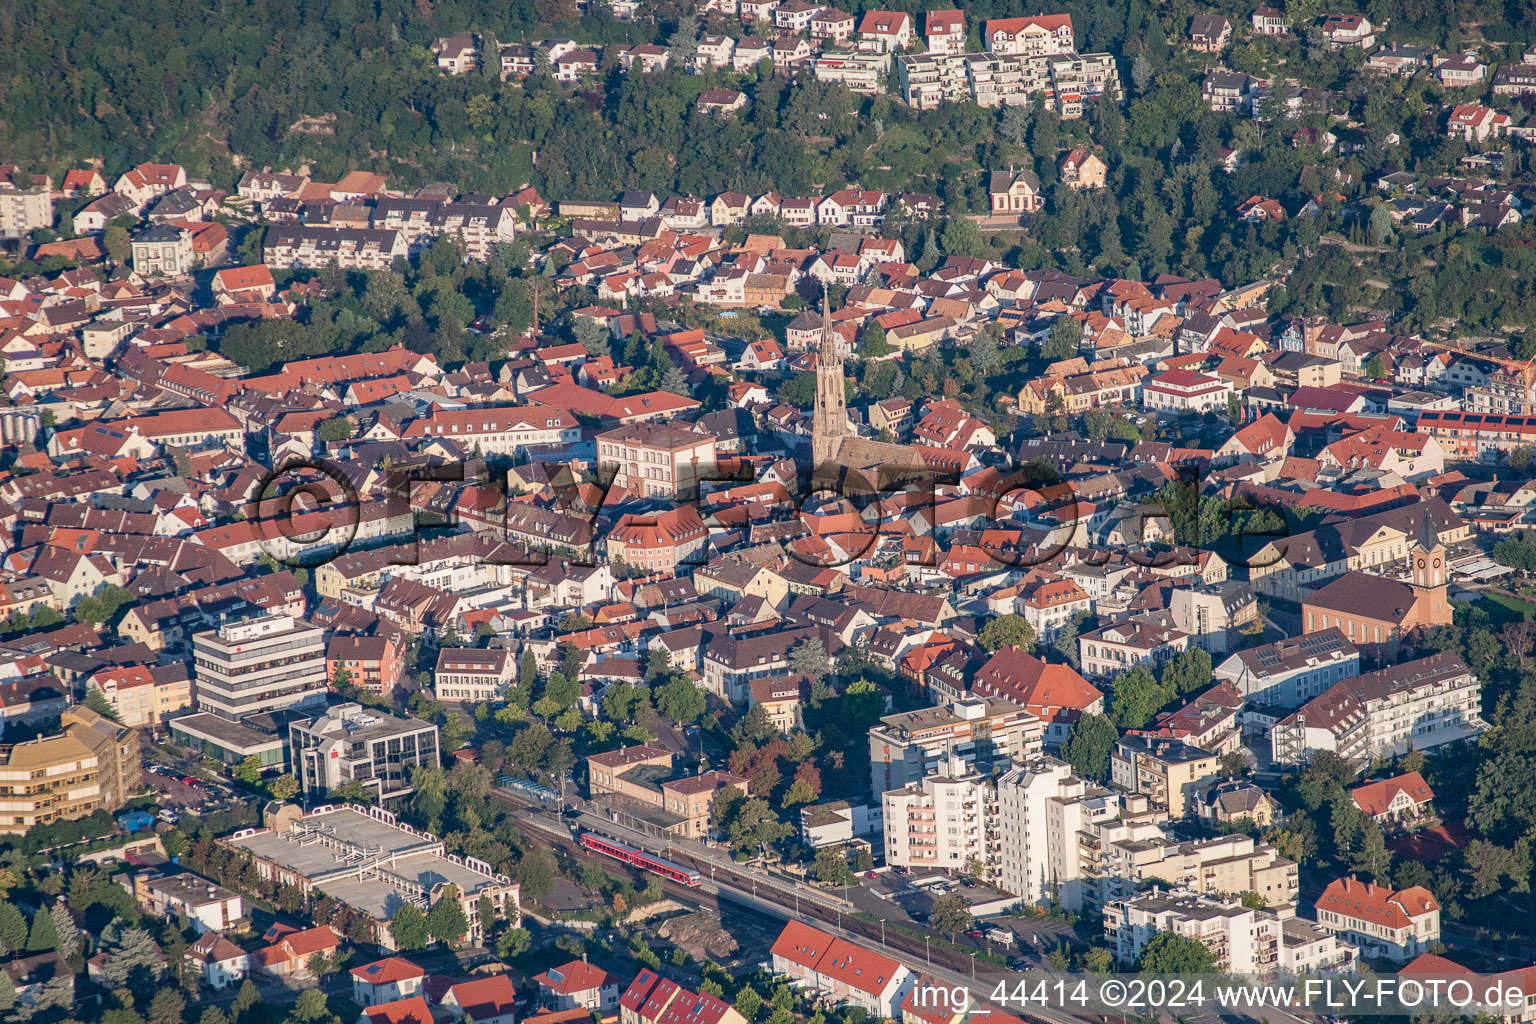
[93, 764]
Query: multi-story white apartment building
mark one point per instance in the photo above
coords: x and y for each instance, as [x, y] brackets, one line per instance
[946, 822]
[473, 674]
[863, 73]
[1421, 704]
[1290, 672]
[350, 743]
[1125, 859]
[289, 245]
[657, 459]
[1077, 78]
[501, 431]
[1242, 941]
[984, 732]
[1042, 808]
[1231, 931]
[264, 664]
[1397, 924]
[930, 80]
[478, 227]
[1124, 645]
[24, 210]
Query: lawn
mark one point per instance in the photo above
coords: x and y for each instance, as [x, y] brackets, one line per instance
[1505, 608]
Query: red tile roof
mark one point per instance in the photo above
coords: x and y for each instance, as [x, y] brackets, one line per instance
[386, 971]
[576, 976]
[1376, 904]
[801, 944]
[485, 997]
[402, 1011]
[1375, 797]
[639, 990]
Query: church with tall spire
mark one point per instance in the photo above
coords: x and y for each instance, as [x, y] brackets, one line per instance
[835, 448]
[830, 425]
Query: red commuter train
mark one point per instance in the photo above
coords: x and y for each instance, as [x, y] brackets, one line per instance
[639, 858]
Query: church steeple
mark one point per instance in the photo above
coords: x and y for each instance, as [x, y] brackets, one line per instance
[1426, 556]
[830, 423]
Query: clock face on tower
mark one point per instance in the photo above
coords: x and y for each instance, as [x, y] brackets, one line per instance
[1437, 563]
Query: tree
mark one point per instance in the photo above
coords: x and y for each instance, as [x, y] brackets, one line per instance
[1007, 630]
[984, 355]
[748, 1003]
[247, 997]
[1171, 953]
[337, 428]
[69, 936]
[754, 826]
[950, 916]
[44, 935]
[1376, 368]
[115, 240]
[13, 928]
[134, 954]
[1488, 864]
[7, 992]
[97, 702]
[592, 335]
[446, 921]
[1138, 697]
[283, 787]
[1141, 73]
[680, 699]
[831, 866]
[247, 771]
[809, 659]
[1015, 124]
[514, 942]
[485, 914]
[409, 928]
[1063, 340]
[961, 237]
[658, 663]
[310, 1006]
[872, 343]
[1187, 671]
[673, 380]
[1381, 224]
[1088, 745]
[169, 1006]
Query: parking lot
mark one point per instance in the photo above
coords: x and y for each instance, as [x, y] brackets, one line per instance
[175, 794]
[892, 896]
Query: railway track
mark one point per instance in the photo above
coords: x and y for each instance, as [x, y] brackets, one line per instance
[723, 883]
